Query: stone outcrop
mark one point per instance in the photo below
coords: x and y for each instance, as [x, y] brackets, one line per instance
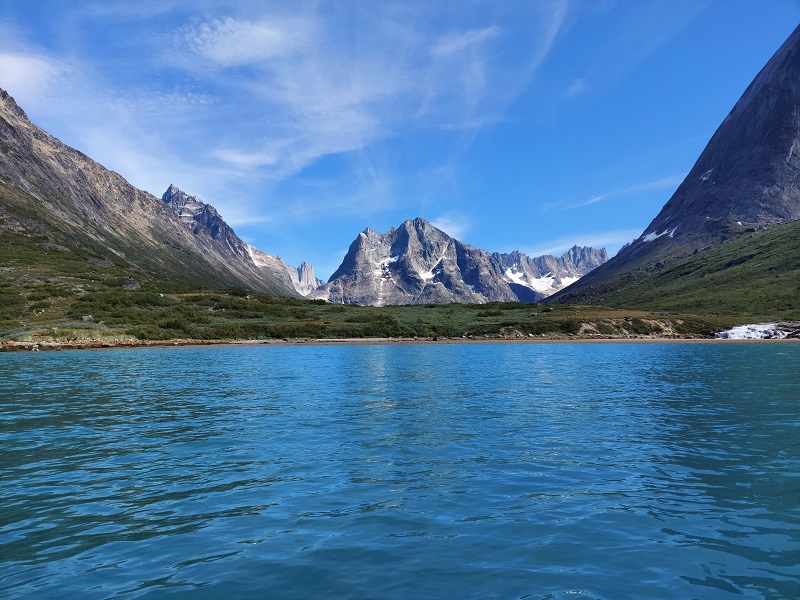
[303, 278]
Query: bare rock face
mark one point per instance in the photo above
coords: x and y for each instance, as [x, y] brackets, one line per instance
[303, 278]
[548, 274]
[205, 222]
[51, 189]
[420, 264]
[747, 178]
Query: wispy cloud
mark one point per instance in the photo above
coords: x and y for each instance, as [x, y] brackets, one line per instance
[648, 27]
[576, 88]
[262, 93]
[235, 105]
[27, 75]
[454, 224]
[664, 183]
[230, 42]
[455, 44]
[322, 84]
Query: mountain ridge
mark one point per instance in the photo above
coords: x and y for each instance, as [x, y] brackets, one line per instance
[205, 221]
[746, 179]
[51, 189]
[417, 263]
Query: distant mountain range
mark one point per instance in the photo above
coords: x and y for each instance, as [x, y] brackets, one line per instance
[417, 263]
[745, 184]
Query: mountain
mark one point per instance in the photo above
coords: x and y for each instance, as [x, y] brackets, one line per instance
[547, 274]
[417, 263]
[303, 278]
[746, 180]
[205, 222]
[54, 193]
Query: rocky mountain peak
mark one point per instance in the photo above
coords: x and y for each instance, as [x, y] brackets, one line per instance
[304, 279]
[204, 221]
[9, 106]
[417, 263]
[747, 176]
[746, 179]
[61, 193]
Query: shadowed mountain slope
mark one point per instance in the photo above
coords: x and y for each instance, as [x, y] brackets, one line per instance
[746, 180]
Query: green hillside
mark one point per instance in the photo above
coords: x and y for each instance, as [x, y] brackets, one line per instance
[755, 276]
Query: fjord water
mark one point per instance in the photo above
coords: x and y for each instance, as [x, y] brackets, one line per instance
[401, 471]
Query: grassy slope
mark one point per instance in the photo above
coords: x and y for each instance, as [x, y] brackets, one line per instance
[755, 276]
[27, 228]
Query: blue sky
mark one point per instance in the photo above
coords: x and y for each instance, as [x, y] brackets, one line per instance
[526, 125]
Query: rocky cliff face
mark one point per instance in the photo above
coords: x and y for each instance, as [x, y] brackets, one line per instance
[420, 264]
[303, 278]
[206, 223]
[548, 274]
[747, 178]
[53, 190]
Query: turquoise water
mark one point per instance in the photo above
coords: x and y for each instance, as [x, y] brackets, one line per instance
[606, 471]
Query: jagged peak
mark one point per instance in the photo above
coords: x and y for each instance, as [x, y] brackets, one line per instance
[172, 190]
[418, 223]
[175, 193]
[9, 105]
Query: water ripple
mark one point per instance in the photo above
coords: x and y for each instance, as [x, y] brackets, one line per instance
[553, 471]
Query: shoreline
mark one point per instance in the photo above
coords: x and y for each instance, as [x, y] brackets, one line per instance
[99, 344]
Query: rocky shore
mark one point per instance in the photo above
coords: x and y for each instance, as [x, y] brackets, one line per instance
[791, 333]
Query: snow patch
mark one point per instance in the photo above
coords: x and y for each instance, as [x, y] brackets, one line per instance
[705, 175]
[569, 280]
[381, 270]
[429, 274]
[257, 256]
[757, 331]
[652, 236]
[542, 284]
[516, 277]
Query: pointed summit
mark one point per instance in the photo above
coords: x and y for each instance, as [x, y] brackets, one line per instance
[10, 106]
[746, 179]
[417, 263]
[61, 193]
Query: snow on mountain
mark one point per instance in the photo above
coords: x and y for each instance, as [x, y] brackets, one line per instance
[417, 263]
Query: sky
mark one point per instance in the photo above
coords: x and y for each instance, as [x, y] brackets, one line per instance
[528, 125]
